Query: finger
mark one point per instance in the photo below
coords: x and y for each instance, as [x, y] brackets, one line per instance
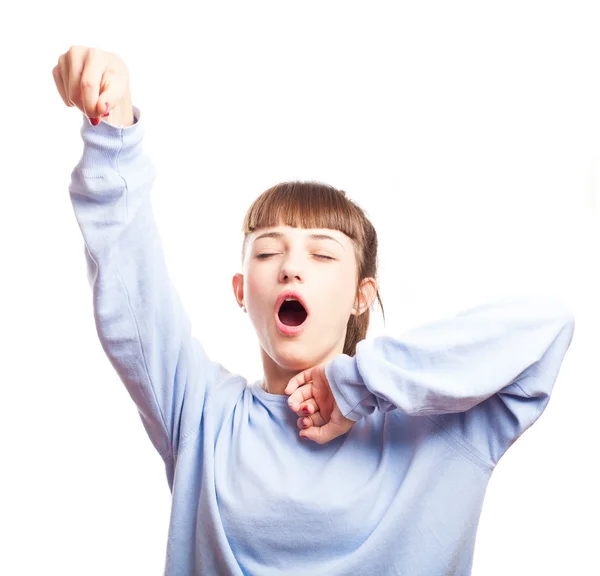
[107, 82]
[74, 64]
[304, 422]
[59, 84]
[90, 81]
[299, 380]
[300, 395]
[328, 431]
[314, 420]
[321, 434]
[63, 66]
[308, 407]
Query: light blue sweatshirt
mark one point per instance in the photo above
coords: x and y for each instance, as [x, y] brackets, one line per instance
[400, 493]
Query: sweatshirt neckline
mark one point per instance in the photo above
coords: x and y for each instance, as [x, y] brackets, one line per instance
[258, 391]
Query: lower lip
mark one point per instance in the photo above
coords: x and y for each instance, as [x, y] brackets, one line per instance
[289, 330]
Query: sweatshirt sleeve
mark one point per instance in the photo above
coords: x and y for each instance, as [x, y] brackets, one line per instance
[484, 375]
[139, 318]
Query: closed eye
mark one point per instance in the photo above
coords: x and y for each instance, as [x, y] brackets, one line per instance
[264, 256]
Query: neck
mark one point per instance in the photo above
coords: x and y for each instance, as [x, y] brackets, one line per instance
[276, 377]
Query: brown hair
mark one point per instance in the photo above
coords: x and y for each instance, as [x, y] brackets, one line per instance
[318, 205]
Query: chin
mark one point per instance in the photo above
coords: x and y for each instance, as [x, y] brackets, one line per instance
[293, 361]
[293, 356]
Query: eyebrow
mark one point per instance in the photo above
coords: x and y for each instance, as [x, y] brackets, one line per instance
[314, 236]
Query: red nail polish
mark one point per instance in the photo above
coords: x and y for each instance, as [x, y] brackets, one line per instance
[95, 121]
[305, 410]
[107, 112]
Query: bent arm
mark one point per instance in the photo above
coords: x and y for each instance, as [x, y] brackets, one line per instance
[484, 375]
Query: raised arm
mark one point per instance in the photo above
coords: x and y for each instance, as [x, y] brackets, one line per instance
[484, 375]
[140, 320]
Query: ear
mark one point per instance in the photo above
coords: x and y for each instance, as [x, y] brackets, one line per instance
[237, 283]
[367, 292]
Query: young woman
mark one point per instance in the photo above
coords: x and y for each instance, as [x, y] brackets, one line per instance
[352, 455]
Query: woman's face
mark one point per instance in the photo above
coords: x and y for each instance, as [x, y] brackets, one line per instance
[320, 266]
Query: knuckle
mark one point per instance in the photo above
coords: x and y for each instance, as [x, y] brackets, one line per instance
[74, 51]
[87, 83]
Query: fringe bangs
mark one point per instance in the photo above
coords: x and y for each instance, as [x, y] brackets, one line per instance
[305, 205]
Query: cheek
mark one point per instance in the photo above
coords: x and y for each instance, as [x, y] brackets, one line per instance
[339, 295]
[255, 289]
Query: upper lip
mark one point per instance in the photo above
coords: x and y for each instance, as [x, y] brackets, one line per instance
[289, 294]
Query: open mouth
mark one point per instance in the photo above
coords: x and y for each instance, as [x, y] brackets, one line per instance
[292, 313]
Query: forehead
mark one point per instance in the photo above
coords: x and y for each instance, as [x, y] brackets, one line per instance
[284, 232]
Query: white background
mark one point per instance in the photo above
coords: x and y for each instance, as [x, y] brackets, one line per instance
[469, 131]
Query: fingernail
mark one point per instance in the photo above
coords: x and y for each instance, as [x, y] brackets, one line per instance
[107, 112]
[305, 410]
[95, 121]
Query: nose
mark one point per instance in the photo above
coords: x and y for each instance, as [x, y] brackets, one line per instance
[290, 269]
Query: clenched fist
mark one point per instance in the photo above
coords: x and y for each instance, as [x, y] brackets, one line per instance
[96, 82]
